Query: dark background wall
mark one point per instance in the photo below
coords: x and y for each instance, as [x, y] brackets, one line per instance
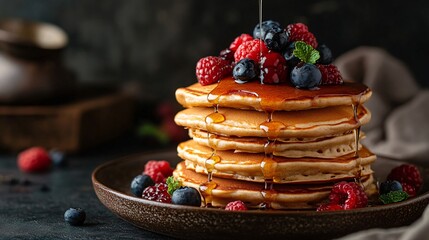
[156, 44]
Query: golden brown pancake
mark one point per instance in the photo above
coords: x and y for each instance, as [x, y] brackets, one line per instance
[253, 95]
[282, 197]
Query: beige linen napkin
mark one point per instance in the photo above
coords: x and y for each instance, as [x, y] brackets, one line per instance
[399, 127]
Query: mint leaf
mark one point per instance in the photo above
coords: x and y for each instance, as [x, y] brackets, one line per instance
[305, 52]
[394, 196]
[172, 185]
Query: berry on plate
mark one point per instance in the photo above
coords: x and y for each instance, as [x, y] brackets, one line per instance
[274, 68]
[157, 193]
[75, 216]
[349, 195]
[330, 74]
[35, 159]
[245, 70]
[305, 76]
[139, 183]
[239, 40]
[390, 186]
[410, 190]
[158, 170]
[329, 207]
[236, 206]
[251, 49]
[211, 69]
[186, 196]
[407, 173]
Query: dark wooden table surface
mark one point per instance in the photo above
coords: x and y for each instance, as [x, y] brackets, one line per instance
[28, 210]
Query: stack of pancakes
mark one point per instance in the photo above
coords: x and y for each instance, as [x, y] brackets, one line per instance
[272, 146]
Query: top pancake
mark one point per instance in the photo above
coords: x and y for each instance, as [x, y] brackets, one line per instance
[264, 97]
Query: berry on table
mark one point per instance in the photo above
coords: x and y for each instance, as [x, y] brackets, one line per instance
[330, 74]
[407, 173]
[211, 69]
[390, 186]
[329, 207]
[75, 216]
[325, 55]
[305, 76]
[139, 183]
[236, 206]
[266, 25]
[251, 49]
[239, 40]
[274, 68]
[158, 170]
[157, 193]
[186, 196]
[59, 158]
[245, 70]
[349, 195]
[35, 159]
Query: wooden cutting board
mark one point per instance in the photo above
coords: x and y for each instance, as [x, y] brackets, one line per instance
[70, 127]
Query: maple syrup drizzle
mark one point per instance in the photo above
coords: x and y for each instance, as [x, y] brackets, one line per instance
[356, 131]
[261, 71]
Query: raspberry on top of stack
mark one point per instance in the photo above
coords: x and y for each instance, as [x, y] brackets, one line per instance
[274, 125]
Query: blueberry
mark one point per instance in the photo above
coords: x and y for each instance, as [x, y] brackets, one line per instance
[291, 59]
[325, 54]
[276, 40]
[75, 216]
[139, 183]
[390, 186]
[186, 196]
[305, 76]
[245, 70]
[58, 158]
[266, 25]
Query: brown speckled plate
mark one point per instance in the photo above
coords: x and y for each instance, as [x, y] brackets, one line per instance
[112, 180]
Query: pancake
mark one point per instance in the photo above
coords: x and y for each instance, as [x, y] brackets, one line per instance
[324, 147]
[281, 197]
[323, 122]
[247, 166]
[285, 97]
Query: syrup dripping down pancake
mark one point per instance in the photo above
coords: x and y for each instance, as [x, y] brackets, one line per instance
[247, 166]
[285, 197]
[280, 97]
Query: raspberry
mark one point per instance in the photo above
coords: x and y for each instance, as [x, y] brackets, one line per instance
[35, 159]
[299, 32]
[349, 195]
[236, 206]
[329, 207]
[410, 190]
[239, 40]
[158, 170]
[157, 193]
[211, 69]
[407, 173]
[274, 69]
[227, 54]
[330, 74]
[251, 49]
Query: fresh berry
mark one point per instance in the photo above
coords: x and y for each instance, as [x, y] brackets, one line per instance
[325, 55]
[236, 206]
[211, 69]
[158, 170]
[407, 173]
[305, 76]
[266, 25]
[251, 49]
[291, 59]
[245, 70]
[274, 69]
[390, 186]
[139, 183]
[349, 195]
[276, 40]
[75, 216]
[157, 193]
[59, 158]
[410, 190]
[329, 207]
[239, 40]
[299, 32]
[34, 159]
[186, 196]
[330, 74]
[227, 54]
